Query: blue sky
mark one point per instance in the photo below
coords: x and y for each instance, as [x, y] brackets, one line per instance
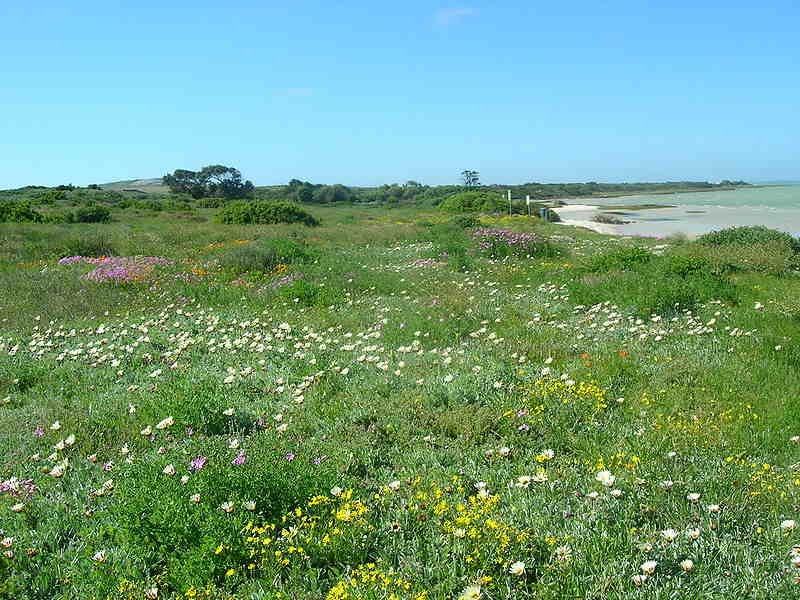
[364, 93]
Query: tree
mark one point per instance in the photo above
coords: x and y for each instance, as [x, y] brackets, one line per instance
[213, 180]
[470, 178]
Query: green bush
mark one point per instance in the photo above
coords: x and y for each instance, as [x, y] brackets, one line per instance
[774, 258]
[18, 212]
[92, 245]
[265, 213]
[466, 221]
[623, 259]
[211, 202]
[685, 266]
[263, 256]
[473, 202]
[92, 213]
[748, 235]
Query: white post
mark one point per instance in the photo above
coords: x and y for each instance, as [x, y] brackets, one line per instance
[509, 203]
[528, 204]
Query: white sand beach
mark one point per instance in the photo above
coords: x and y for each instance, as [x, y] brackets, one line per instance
[689, 214]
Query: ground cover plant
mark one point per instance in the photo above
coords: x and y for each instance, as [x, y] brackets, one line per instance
[393, 404]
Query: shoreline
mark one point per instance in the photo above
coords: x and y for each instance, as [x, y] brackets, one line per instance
[687, 218]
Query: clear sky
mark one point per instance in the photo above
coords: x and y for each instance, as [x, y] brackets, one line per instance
[365, 93]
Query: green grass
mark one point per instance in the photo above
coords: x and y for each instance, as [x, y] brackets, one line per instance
[371, 375]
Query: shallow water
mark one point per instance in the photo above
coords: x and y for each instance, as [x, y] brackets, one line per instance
[777, 207]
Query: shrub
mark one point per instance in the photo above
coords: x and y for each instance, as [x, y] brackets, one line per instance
[211, 202]
[774, 258]
[502, 243]
[623, 259]
[466, 221]
[18, 212]
[93, 213]
[748, 235]
[263, 256]
[98, 245]
[265, 213]
[685, 266]
[473, 202]
[50, 197]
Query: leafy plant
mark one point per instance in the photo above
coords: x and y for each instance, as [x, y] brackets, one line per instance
[265, 213]
[748, 235]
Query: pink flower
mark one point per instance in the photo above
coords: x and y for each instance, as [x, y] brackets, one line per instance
[198, 463]
[239, 460]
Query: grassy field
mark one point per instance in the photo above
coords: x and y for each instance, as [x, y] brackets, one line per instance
[392, 406]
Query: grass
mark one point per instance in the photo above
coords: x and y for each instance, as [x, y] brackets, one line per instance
[383, 411]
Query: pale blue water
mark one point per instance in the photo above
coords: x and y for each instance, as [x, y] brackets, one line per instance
[777, 207]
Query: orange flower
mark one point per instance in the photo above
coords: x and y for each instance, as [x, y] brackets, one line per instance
[584, 355]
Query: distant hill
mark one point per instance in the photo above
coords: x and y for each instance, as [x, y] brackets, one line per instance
[142, 185]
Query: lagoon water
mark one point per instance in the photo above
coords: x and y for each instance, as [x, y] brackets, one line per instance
[694, 213]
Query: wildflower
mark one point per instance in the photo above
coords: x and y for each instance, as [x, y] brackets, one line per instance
[606, 478]
[563, 553]
[226, 507]
[56, 426]
[290, 456]
[523, 481]
[239, 460]
[669, 534]
[184, 479]
[250, 505]
[714, 508]
[151, 593]
[616, 493]
[18, 507]
[234, 444]
[195, 498]
[282, 427]
[147, 431]
[471, 592]
[336, 491]
[693, 497]
[787, 525]
[163, 424]
[504, 451]
[7, 542]
[395, 527]
[795, 560]
[592, 495]
[649, 567]
[666, 484]
[459, 533]
[198, 463]
[638, 579]
[169, 469]
[38, 432]
[9, 554]
[394, 485]
[687, 565]
[99, 556]
[517, 568]
[228, 412]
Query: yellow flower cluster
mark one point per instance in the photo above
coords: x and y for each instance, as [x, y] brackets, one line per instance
[764, 479]
[320, 524]
[367, 579]
[571, 393]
